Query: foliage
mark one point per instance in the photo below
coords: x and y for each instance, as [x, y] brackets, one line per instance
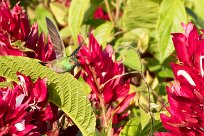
[64, 91]
[123, 67]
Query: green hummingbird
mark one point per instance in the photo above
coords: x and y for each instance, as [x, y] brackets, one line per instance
[62, 63]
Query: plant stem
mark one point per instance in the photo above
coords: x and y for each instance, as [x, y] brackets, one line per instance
[109, 11]
[101, 99]
[103, 108]
[118, 3]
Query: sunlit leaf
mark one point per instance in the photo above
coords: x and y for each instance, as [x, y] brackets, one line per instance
[6, 84]
[65, 32]
[140, 14]
[145, 118]
[132, 128]
[130, 57]
[152, 127]
[60, 12]
[138, 38]
[195, 9]
[104, 33]
[76, 14]
[166, 73]
[171, 14]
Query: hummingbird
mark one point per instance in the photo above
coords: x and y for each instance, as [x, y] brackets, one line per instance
[62, 63]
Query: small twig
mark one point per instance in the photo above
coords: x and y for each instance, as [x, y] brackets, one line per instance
[118, 4]
[117, 76]
[163, 106]
[118, 33]
[149, 99]
[109, 11]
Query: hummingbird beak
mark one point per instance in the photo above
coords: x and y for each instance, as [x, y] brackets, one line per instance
[43, 63]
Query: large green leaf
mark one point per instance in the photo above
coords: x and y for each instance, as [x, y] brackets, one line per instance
[64, 90]
[171, 14]
[140, 14]
[76, 15]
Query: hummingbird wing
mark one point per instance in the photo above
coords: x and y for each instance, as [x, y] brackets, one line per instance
[55, 38]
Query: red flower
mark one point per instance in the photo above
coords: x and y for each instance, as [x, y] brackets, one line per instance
[42, 51]
[100, 14]
[100, 68]
[16, 35]
[14, 26]
[25, 109]
[186, 94]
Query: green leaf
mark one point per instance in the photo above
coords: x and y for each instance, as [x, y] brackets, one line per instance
[166, 73]
[39, 15]
[144, 117]
[148, 128]
[171, 14]
[76, 14]
[65, 32]
[131, 58]
[195, 9]
[64, 90]
[104, 33]
[6, 84]
[153, 64]
[87, 88]
[140, 14]
[20, 45]
[132, 128]
[60, 12]
[138, 38]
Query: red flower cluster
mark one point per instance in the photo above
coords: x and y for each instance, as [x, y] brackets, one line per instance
[100, 68]
[186, 94]
[18, 38]
[25, 109]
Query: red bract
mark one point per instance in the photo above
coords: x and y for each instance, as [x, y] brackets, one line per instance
[186, 94]
[100, 14]
[14, 26]
[16, 35]
[42, 51]
[100, 70]
[25, 109]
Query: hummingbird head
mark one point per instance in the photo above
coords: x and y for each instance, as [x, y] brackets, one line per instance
[73, 61]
